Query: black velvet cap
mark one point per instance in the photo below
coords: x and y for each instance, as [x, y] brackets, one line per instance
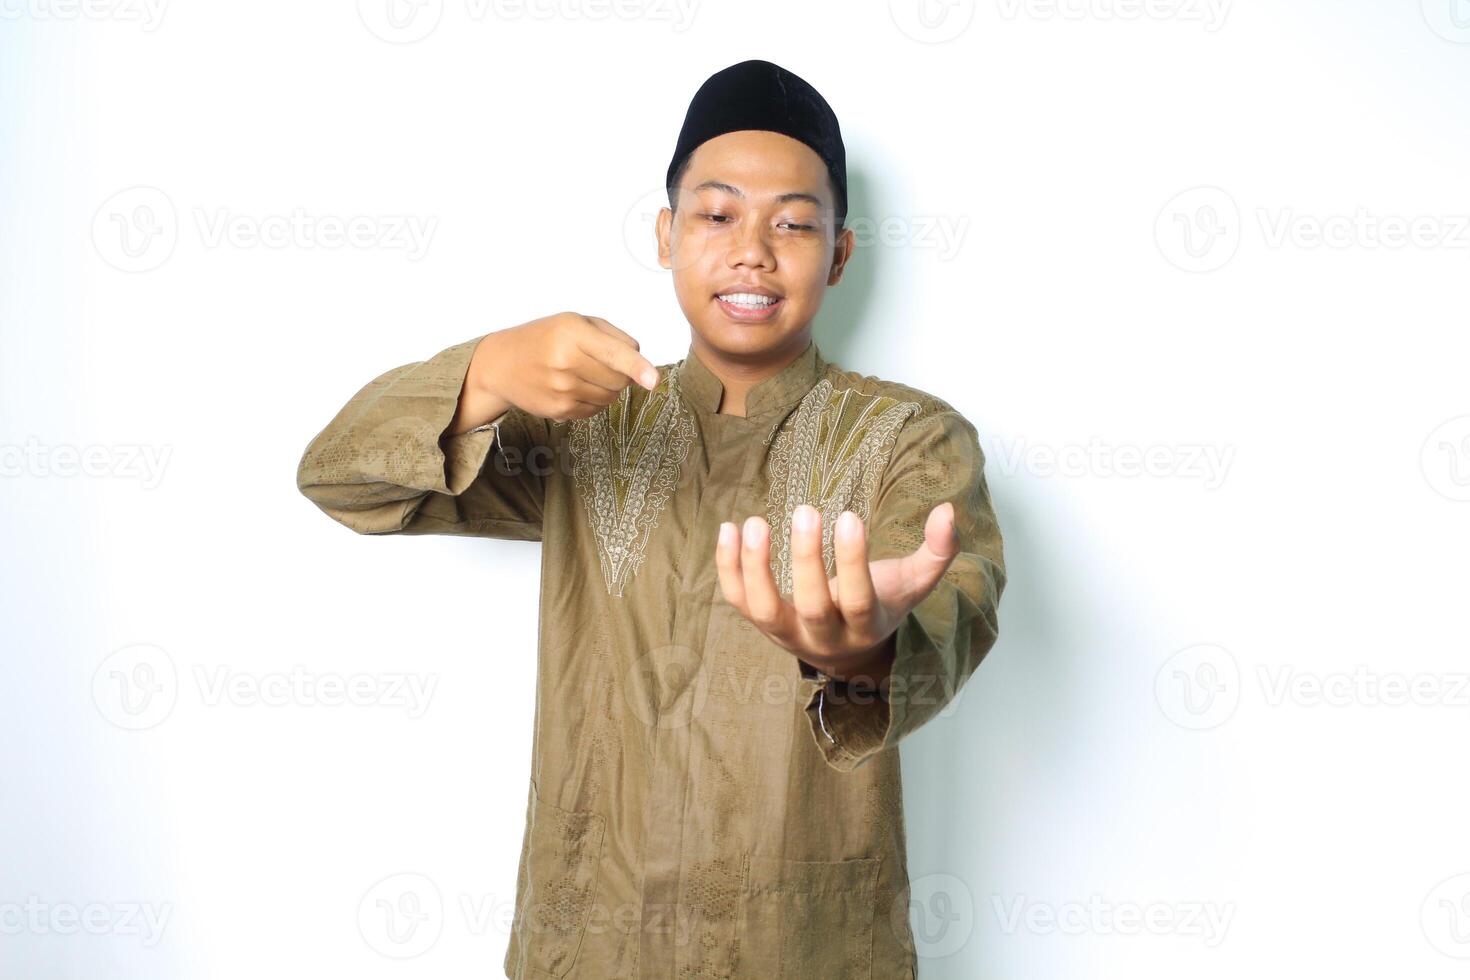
[760, 95]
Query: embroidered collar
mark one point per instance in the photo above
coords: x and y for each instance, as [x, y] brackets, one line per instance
[703, 389]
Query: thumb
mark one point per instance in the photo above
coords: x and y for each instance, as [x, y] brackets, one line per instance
[941, 544]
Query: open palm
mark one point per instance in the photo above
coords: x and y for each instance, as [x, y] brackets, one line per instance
[840, 625]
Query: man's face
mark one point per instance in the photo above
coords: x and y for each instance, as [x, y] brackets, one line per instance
[755, 209]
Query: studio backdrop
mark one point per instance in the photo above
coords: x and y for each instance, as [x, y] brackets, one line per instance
[1195, 269]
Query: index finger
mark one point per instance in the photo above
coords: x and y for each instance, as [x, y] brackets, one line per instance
[619, 351]
[607, 327]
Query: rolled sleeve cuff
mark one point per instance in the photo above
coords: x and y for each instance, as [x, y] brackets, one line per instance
[465, 454]
[851, 723]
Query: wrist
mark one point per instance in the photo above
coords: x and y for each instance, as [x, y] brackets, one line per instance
[872, 668]
[483, 362]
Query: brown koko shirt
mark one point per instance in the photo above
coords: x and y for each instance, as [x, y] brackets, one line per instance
[701, 802]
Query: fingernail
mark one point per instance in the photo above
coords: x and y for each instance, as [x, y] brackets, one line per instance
[727, 534]
[804, 517]
[650, 378]
[752, 532]
[847, 524]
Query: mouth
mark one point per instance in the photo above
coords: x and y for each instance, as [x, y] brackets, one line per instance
[747, 307]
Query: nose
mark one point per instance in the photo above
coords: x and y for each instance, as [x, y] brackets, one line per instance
[750, 248]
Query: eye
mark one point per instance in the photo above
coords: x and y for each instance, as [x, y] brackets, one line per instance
[801, 227]
[722, 217]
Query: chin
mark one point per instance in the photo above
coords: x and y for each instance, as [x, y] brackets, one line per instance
[743, 338]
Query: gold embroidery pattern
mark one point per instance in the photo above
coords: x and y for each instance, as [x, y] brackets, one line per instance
[830, 453]
[625, 463]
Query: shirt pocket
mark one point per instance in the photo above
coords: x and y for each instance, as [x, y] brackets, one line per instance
[811, 920]
[558, 883]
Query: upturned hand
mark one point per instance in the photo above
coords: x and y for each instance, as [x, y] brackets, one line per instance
[844, 625]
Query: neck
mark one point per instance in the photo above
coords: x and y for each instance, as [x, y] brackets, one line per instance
[738, 374]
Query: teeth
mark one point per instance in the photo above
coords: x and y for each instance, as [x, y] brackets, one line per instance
[748, 299]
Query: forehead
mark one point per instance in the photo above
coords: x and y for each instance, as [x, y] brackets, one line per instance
[760, 163]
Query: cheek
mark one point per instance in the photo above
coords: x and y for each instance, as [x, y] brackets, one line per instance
[807, 258]
[807, 273]
[694, 254]
[691, 285]
[694, 258]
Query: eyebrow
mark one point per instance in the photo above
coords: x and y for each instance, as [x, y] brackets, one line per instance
[717, 185]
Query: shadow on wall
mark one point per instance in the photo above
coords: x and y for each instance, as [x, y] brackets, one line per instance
[973, 775]
[968, 774]
[845, 305]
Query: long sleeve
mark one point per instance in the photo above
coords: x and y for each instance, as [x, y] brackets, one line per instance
[936, 457]
[385, 463]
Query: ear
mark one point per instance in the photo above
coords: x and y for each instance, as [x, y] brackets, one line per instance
[663, 227]
[846, 242]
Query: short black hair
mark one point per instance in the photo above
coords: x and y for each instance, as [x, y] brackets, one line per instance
[841, 200]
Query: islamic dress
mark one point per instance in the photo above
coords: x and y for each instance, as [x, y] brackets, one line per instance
[702, 803]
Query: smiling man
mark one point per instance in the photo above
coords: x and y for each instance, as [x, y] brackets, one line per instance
[761, 572]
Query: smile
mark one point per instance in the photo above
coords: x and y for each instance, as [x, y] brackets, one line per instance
[749, 307]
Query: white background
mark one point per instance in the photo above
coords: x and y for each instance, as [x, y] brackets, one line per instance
[1223, 733]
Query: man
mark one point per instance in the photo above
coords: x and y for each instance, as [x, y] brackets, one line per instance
[760, 573]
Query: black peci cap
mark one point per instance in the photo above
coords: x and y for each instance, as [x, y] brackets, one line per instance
[760, 95]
